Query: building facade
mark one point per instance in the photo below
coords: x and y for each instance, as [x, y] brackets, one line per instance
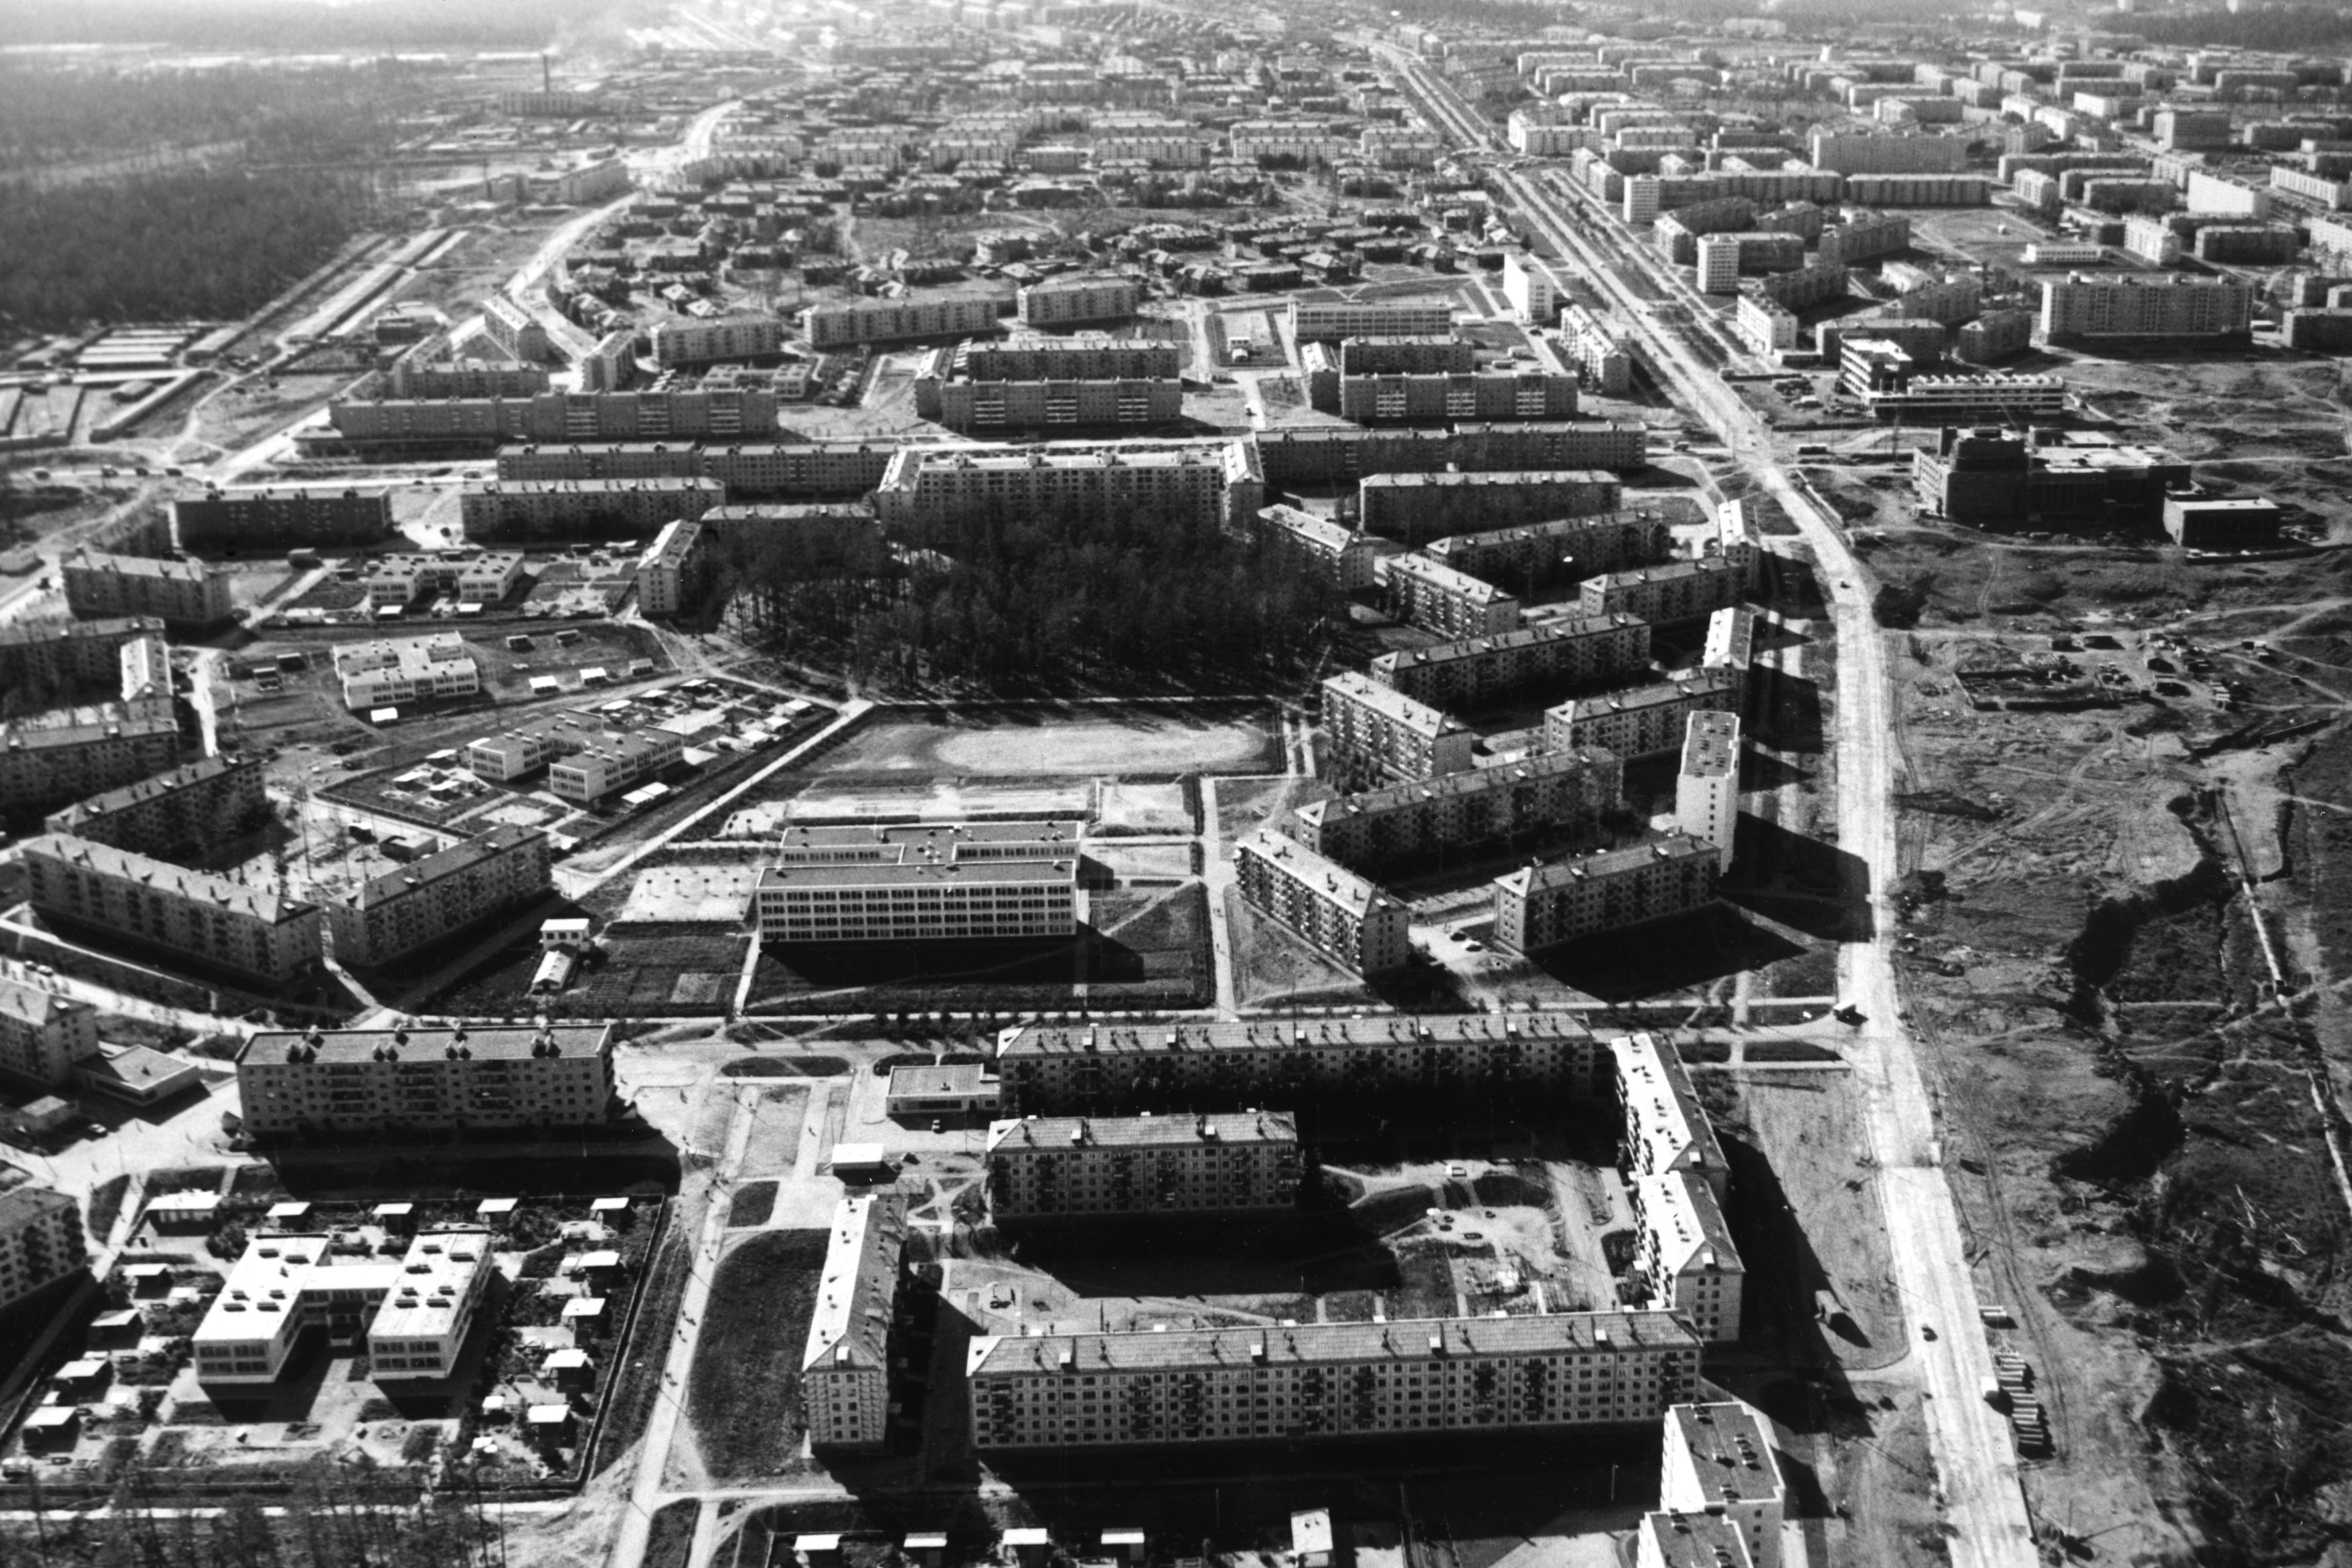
[41, 1241]
[1077, 301]
[1578, 650]
[1542, 794]
[1340, 914]
[1558, 901]
[46, 763]
[1678, 591]
[175, 815]
[44, 1038]
[1417, 507]
[332, 1083]
[1640, 721]
[269, 520]
[561, 508]
[671, 574]
[858, 322]
[1437, 598]
[428, 900]
[251, 932]
[1084, 1167]
[845, 1366]
[1707, 785]
[1374, 734]
[179, 593]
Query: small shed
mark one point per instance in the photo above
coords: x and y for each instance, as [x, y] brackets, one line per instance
[495, 1409]
[927, 1548]
[598, 1268]
[53, 1426]
[584, 1314]
[149, 1278]
[395, 1216]
[117, 1330]
[1310, 1538]
[291, 1215]
[862, 1162]
[817, 1550]
[84, 1377]
[549, 1424]
[496, 1213]
[1028, 1543]
[46, 1115]
[614, 1212]
[184, 1211]
[1124, 1545]
[568, 1372]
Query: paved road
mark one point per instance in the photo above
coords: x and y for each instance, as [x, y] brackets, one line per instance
[1975, 1455]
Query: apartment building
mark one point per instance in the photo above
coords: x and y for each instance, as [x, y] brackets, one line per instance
[808, 471]
[376, 673]
[983, 882]
[840, 326]
[1215, 484]
[1118, 1069]
[1318, 1381]
[59, 653]
[416, 375]
[1340, 914]
[1736, 542]
[1312, 144]
[1575, 651]
[562, 508]
[606, 764]
[1083, 299]
[1045, 1168]
[179, 593]
[1730, 646]
[1418, 506]
[44, 1038]
[1537, 555]
[1640, 720]
[1530, 287]
[514, 329]
[1373, 733]
[1341, 556]
[1668, 1540]
[275, 519]
[845, 1366]
[1677, 590]
[1409, 823]
[334, 1083]
[1397, 356]
[1399, 146]
[1683, 1252]
[1560, 901]
[1597, 350]
[1044, 406]
[413, 1316]
[1076, 356]
[176, 814]
[1662, 1128]
[41, 1241]
[611, 364]
[145, 665]
[367, 420]
[1889, 153]
[683, 341]
[1335, 454]
[1437, 598]
[2144, 305]
[186, 916]
[1330, 320]
[1476, 395]
[670, 575]
[1718, 1463]
[428, 900]
[48, 760]
[1707, 785]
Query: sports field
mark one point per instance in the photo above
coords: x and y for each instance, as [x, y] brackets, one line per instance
[1015, 742]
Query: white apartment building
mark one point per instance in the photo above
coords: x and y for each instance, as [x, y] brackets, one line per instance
[846, 1368]
[670, 575]
[1543, 791]
[1682, 1251]
[1313, 142]
[415, 1314]
[2143, 305]
[1718, 264]
[1398, 147]
[1073, 302]
[1216, 483]
[1089, 1167]
[1314, 1381]
[682, 340]
[1575, 650]
[1640, 720]
[188, 915]
[1718, 1461]
[428, 900]
[1707, 786]
[41, 1241]
[1530, 287]
[1663, 1126]
[43, 1036]
[1332, 319]
[183, 593]
[857, 322]
[331, 1083]
[377, 673]
[1338, 913]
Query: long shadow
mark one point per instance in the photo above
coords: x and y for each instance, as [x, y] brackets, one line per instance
[1673, 955]
[1803, 883]
[1793, 587]
[1772, 637]
[1273, 1255]
[1763, 770]
[1787, 710]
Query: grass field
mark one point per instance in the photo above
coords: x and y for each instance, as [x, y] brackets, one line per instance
[1030, 741]
[743, 1394]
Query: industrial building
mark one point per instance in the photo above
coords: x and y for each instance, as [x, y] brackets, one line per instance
[1045, 1168]
[846, 1366]
[1340, 914]
[176, 814]
[1373, 733]
[275, 519]
[1540, 794]
[1417, 507]
[416, 1312]
[179, 593]
[1318, 1380]
[1578, 650]
[431, 900]
[183, 916]
[2198, 521]
[1639, 721]
[463, 1078]
[1560, 901]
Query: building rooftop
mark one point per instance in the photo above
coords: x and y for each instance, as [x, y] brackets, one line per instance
[1697, 1540]
[674, 543]
[1731, 1449]
[899, 841]
[1321, 1033]
[31, 1005]
[1607, 863]
[1655, 1090]
[433, 1285]
[1391, 704]
[1711, 745]
[449, 862]
[1449, 579]
[1565, 629]
[1328, 878]
[115, 720]
[1446, 787]
[1700, 682]
[25, 1202]
[1670, 572]
[1328, 532]
[104, 860]
[1060, 1133]
[929, 1080]
[457, 1042]
[890, 874]
[21, 633]
[851, 1324]
[136, 566]
[1421, 1339]
[1682, 1211]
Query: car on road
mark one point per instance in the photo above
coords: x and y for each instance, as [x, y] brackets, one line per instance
[1927, 1330]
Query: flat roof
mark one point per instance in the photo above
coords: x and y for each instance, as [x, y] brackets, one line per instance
[1564, 629]
[1391, 703]
[1697, 1540]
[449, 862]
[433, 1284]
[940, 1078]
[1284, 1034]
[475, 1041]
[890, 874]
[1711, 745]
[1050, 1133]
[1421, 1339]
[197, 887]
[850, 1325]
[921, 836]
[1607, 863]
[1704, 681]
[1531, 769]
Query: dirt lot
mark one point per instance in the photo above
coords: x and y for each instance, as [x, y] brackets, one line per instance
[1015, 741]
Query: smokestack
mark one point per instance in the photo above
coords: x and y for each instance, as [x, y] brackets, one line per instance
[546, 76]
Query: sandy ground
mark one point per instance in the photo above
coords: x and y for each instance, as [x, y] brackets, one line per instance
[1138, 745]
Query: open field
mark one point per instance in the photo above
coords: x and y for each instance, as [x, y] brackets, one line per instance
[1015, 740]
[743, 1393]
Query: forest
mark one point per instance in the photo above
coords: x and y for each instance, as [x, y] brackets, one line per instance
[1057, 602]
[49, 115]
[203, 246]
[300, 25]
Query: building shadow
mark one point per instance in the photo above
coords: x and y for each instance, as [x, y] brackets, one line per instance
[1267, 1255]
[1803, 883]
[1787, 710]
[1677, 953]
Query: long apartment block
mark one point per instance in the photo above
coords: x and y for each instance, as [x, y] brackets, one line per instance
[1211, 483]
[1119, 1069]
[558, 508]
[1642, 721]
[1542, 794]
[1340, 914]
[919, 897]
[180, 593]
[1678, 591]
[54, 652]
[1373, 733]
[80, 753]
[989, 407]
[896, 320]
[1330, 320]
[1566, 548]
[1466, 395]
[266, 518]
[1437, 598]
[175, 814]
[431, 900]
[1341, 453]
[368, 420]
[846, 1366]
[1579, 650]
[1418, 1377]
[1417, 507]
[1684, 1254]
[790, 470]
[1044, 1168]
[1556, 901]
[183, 915]
[1048, 356]
[334, 1083]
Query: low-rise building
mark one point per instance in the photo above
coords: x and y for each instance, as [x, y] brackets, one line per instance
[188, 916]
[671, 575]
[176, 814]
[413, 1316]
[45, 1038]
[179, 593]
[846, 1366]
[1541, 795]
[273, 519]
[1639, 721]
[2221, 522]
[464, 1078]
[429, 901]
[376, 673]
[1338, 913]
[941, 894]
[1374, 734]
[1575, 651]
[1269, 1384]
[606, 764]
[1043, 1168]
[918, 1093]
[41, 1241]
[1560, 901]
